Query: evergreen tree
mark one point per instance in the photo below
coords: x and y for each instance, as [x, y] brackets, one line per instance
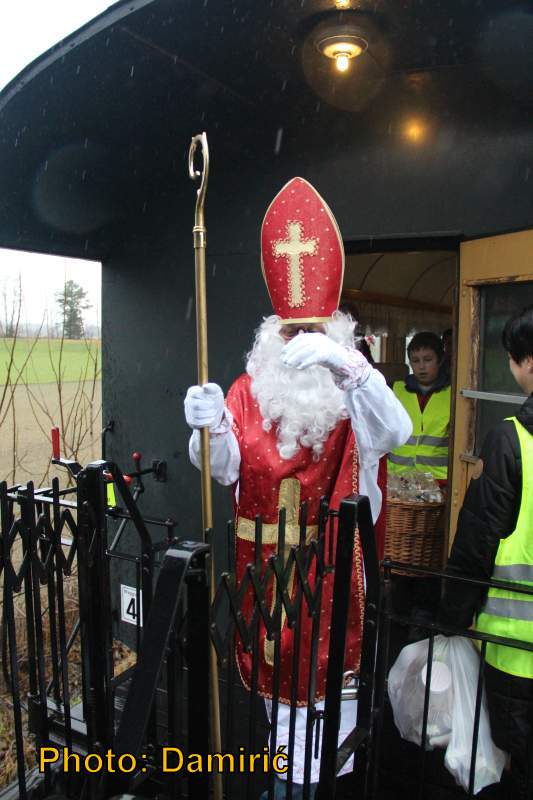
[72, 301]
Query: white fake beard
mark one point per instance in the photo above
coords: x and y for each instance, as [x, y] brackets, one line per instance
[305, 405]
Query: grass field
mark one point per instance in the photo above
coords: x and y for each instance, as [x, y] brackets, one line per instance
[25, 449]
[42, 360]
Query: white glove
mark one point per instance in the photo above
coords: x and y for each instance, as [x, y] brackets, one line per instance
[308, 349]
[349, 367]
[204, 406]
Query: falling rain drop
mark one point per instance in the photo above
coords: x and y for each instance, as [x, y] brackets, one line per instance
[188, 310]
[279, 137]
[284, 85]
[214, 270]
[132, 70]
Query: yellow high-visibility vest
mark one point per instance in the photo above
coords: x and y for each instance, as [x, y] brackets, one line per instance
[508, 613]
[426, 450]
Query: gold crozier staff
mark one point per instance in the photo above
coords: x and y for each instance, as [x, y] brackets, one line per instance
[199, 239]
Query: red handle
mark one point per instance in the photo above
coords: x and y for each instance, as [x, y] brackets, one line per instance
[108, 476]
[56, 449]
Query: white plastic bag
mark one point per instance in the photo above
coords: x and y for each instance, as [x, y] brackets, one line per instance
[407, 686]
[452, 703]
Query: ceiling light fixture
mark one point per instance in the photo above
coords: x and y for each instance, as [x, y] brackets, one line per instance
[341, 4]
[342, 44]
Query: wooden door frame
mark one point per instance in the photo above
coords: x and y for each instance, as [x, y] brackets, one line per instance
[468, 359]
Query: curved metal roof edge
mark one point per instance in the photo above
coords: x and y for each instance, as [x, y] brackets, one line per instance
[109, 17]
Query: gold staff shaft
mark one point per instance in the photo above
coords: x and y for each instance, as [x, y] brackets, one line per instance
[199, 240]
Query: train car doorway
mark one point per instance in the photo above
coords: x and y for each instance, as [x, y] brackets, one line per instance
[401, 288]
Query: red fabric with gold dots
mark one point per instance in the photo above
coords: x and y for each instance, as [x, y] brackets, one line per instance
[302, 254]
[261, 473]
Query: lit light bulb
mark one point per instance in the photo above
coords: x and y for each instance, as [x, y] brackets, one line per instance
[342, 46]
[342, 62]
[342, 3]
[415, 130]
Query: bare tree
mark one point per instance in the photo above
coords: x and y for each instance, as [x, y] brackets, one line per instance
[12, 308]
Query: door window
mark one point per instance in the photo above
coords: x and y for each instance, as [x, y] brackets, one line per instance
[498, 302]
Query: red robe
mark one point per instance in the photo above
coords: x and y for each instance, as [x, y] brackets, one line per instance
[266, 483]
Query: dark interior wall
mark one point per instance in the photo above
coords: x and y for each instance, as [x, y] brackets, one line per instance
[466, 181]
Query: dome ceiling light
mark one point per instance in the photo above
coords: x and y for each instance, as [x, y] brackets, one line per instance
[341, 43]
[331, 42]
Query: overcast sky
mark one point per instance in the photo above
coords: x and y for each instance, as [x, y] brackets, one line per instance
[27, 29]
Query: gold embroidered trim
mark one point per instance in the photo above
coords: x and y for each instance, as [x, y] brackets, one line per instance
[358, 556]
[293, 249]
[246, 531]
[310, 534]
[296, 320]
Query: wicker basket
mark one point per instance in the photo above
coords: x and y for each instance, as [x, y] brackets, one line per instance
[415, 533]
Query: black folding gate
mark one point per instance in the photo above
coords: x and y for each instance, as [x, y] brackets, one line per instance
[102, 731]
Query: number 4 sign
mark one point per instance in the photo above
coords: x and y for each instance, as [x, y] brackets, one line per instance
[128, 604]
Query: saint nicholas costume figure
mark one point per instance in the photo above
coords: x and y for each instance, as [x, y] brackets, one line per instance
[309, 418]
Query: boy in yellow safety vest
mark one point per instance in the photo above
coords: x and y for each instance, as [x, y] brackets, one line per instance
[425, 395]
[494, 539]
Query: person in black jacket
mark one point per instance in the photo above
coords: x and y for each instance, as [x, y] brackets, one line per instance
[489, 515]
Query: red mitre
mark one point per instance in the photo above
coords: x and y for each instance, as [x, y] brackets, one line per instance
[302, 255]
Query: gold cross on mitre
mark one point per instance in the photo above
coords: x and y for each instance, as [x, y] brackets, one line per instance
[293, 249]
